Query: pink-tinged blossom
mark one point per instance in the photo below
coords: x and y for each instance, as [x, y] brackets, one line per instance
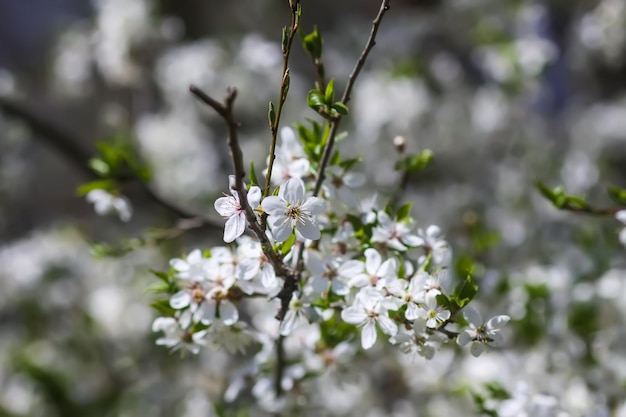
[291, 209]
[482, 334]
[230, 208]
[221, 279]
[366, 312]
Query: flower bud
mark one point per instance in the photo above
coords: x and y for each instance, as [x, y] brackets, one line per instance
[400, 143]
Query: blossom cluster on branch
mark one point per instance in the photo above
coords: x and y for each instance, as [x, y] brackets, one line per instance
[342, 269]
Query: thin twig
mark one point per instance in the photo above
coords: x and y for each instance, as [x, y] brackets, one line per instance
[593, 211]
[44, 130]
[225, 110]
[328, 149]
[67, 144]
[282, 96]
[280, 365]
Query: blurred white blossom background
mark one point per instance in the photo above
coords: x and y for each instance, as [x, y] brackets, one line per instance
[504, 93]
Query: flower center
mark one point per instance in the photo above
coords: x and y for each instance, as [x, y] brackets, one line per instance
[197, 295]
[294, 212]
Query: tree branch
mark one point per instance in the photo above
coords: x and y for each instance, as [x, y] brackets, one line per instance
[66, 144]
[225, 110]
[328, 149]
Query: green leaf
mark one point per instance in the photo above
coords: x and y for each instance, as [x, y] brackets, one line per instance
[286, 84]
[84, 189]
[576, 202]
[404, 212]
[340, 108]
[113, 155]
[288, 244]
[617, 194]
[497, 391]
[99, 166]
[347, 164]
[163, 276]
[313, 43]
[253, 178]
[341, 136]
[285, 39]
[555, 195]
[315, 100]
[443, 301]
[158, 288]
[560, 199]
[163, 307]
[329, 95]
[464, 292]
[271, 115]
[421, 161]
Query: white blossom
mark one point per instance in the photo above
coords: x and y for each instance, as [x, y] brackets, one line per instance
[290, 161]
[290, 209]
[367, 311]
[433, 241]
[230, 208]
[371, 272]
[105, 202]
[325, 273]
[434, 314]
[192, 268]
[481, 334]
[394, 234]
[177, 334]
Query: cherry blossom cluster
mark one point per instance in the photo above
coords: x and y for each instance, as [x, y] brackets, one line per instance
[370, 268]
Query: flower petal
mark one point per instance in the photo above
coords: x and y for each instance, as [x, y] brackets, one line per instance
[372, 261]
[314, 205]
[292, 191]
[351, 268]
[387, 325]
[234, 227]
[464, 338]
[411, 312]
[274, 206]
[498, 322]
[225, 206]
[179, 264]
[254, 196]
[473, 317]
[353, 315]
[180, 300]
[228, 313]
[477, 348]
[281, 227]
[368, 335]
[308, 229]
